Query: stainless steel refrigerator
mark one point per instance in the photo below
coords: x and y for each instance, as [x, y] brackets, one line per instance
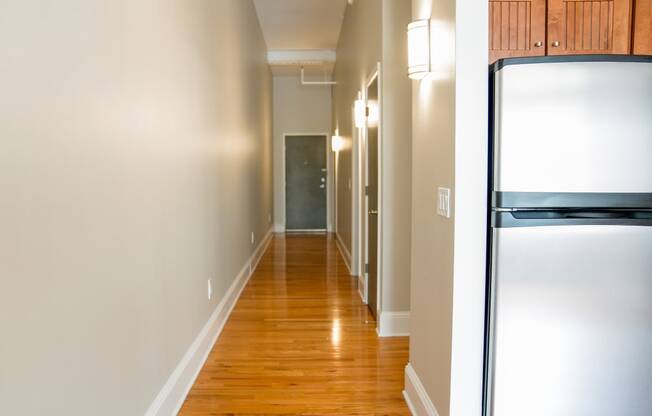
[569, 328]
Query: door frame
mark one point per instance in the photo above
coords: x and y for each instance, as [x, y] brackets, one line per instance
[329, 180]
[361, 159]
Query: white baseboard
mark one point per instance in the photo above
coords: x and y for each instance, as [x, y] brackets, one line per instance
[362, 287]
[415, 395]
[169, 400]
[279, 228]
[394, 324]
[346, 255]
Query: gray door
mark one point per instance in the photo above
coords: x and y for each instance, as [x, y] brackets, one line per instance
[572, 321]
[372, 201]
[305, 183]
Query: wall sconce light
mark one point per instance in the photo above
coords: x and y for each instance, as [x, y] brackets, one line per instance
[418, 33]
[337, 143]
[360, 111]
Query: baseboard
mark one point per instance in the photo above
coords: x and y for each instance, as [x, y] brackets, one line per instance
[394, 324]
[279, 228]
[346, 255]
[169, 400]
[415, 395]
[362, 287]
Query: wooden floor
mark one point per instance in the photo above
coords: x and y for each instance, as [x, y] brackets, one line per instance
[300, 341]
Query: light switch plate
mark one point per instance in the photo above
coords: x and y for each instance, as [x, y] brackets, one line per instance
[444, 202]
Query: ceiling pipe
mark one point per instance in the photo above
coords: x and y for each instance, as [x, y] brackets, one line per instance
[304, 82]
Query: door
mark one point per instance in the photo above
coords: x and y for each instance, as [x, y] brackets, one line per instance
[305, 183]
[516, 28]
[642, 27]
[574, 126]
[372, 197]
[589, 27]
[571, 319]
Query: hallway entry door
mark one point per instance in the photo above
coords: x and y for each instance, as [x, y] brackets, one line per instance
[372, 195]
[305, 183]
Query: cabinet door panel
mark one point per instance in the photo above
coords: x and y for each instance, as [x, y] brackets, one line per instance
[643, 27]
[516, 28]
[589, 27]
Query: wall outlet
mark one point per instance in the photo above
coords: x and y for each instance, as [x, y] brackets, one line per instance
[210, 289]
[253, 238]
[444, 202]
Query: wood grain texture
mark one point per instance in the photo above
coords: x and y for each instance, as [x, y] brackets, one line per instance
[300, 341]
[516, 27]
[589, 27]
[642, 44]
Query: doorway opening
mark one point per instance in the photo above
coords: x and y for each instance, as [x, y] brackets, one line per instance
[367, 167]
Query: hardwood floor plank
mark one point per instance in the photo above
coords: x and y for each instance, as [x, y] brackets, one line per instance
[301, 342]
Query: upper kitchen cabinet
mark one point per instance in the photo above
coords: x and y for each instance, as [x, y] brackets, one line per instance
[569, 27]
[642, 27]
[589, 27]
[517, 28]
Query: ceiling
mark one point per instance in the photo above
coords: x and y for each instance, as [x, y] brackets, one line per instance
[301, 24]
[306, 25]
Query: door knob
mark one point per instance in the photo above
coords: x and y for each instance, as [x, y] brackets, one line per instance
[538, 44]
[373, 212]
[555, 44]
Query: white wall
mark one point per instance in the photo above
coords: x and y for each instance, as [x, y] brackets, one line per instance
[135, 159]
[298, 109]
[448, 255]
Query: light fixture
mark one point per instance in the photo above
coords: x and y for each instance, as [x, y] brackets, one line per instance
[360, 111]
[373, 113]
[418, 33]
[337, 143]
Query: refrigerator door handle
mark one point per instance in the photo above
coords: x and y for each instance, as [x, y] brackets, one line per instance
[543, 218]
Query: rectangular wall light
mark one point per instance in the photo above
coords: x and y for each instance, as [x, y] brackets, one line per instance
[360, 113]
[337, 143]
[418, 33]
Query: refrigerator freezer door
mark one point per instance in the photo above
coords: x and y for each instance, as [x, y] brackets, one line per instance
[573, 127]
[571, 321]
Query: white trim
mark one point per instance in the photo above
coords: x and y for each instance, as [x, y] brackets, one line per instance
[170, 398]
[346, 255]
[279, 228]
[415, 395]
[329, 179]
[394, 324]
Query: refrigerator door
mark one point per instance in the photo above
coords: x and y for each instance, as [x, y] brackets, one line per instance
[571, 321]
[571, 125]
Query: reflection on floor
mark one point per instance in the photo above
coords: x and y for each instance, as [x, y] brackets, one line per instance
[300, 341]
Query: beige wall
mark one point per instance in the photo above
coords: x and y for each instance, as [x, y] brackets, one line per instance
[397, 158]
[298, 109]
[448, 255]
[374, 32]
[135, 160]
[359, 51]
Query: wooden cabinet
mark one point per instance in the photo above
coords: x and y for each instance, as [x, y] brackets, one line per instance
[589, 27]
[642, 27]
[569, 27]
[517, 28]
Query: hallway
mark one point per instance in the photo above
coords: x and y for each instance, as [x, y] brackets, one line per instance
[300, 341]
